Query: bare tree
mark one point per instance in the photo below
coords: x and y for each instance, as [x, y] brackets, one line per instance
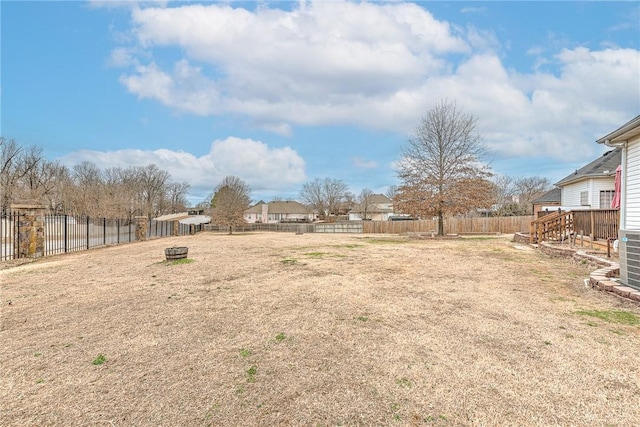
[153, 181]
[441, 171]
[86, 189]
[349, 200]
[177, 196]
[504, 192]
[364, 203]
[231, 198]
[391, 192]
[87, 197]
[530, 188]
[17, 167]
[46, 182]
[324, 195]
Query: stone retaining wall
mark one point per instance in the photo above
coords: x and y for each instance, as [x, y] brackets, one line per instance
[603, 278]
[521, 238]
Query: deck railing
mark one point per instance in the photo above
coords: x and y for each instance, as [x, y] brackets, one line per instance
[554, 226]
[597, 224]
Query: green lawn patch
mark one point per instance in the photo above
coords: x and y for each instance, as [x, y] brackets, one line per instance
[612, 316]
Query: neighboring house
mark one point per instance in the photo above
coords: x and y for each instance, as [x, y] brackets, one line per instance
[591, 186]
[378, 208]
[627, 139]
[254, 213]
[280, 211]
[549, 201]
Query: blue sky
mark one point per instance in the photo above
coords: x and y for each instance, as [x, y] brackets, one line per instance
[279, 93]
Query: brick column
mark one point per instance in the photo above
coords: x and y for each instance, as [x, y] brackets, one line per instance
[30, 230]
[141, 228]
[176, 227]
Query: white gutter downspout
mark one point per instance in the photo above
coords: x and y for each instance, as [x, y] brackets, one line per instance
[623, 181]
[623, 187]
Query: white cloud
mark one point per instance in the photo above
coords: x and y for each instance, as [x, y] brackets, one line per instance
[310, 65]
[123, 57]
[379, 66]
[127, 4]
[265, 169]
[360, 163]
[185, 88]
[473, 10]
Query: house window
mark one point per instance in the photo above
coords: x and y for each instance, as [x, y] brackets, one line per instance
[606, 197]
[584, 198]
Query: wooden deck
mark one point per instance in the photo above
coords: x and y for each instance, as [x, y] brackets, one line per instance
[599, 225]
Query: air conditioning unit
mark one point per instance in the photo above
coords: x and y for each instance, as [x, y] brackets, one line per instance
[629, 247]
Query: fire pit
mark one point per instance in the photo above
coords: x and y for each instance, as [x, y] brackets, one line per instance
[176, 252]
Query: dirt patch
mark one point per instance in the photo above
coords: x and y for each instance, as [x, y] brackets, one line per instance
[314, 329]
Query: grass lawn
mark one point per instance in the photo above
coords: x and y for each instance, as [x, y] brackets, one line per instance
[314, 329]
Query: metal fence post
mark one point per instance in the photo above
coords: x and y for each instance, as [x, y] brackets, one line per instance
[87, 232]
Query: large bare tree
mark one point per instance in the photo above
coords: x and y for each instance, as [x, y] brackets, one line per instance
[441, 170]
[231, 198]
[324, 195]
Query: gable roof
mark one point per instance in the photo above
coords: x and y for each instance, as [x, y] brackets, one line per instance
[375, 200]
[255, 209]
[379, 199]
[551, 196]
[288, 207]
[623, 133]
[603, 166]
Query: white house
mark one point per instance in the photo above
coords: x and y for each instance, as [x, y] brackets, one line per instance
[378, 208]
[627, 138]
[279, 211]
[591, 186]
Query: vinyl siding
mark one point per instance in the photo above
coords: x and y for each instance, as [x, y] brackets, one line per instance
[633, 185]
[571, 194]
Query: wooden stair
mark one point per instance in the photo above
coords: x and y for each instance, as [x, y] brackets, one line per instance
[557, 226]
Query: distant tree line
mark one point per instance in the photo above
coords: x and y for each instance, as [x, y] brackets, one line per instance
[86, 189]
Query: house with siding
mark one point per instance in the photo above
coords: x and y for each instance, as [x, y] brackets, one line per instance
[627, 139]
[378, 208]
[279, 211]
[591, 186]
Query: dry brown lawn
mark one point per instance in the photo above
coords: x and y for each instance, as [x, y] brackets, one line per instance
[286, 329]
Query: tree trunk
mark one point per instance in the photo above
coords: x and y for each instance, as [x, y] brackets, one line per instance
[440, 223]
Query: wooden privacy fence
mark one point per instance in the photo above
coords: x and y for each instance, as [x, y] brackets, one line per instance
[489, 225]
[453, 225]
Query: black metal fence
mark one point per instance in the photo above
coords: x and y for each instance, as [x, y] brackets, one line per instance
[66, 233]
[9, 236]
[70, 233]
